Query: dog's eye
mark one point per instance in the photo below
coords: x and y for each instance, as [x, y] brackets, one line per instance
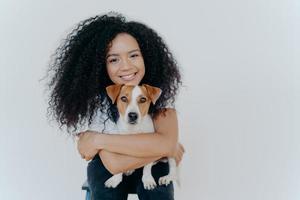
[143, 100]
[124, 99]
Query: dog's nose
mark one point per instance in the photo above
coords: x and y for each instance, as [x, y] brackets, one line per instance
[132, 116]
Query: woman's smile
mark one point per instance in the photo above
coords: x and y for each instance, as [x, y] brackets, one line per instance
[128, 77]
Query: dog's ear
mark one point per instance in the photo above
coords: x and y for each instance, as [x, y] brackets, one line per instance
[154, 92]
[113, 92]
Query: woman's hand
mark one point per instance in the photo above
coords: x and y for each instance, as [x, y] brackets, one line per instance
[86, 144]
[178, 153]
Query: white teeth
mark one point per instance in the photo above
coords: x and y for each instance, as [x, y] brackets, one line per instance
[128, 77]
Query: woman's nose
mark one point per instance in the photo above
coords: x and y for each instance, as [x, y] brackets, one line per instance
[126, 64]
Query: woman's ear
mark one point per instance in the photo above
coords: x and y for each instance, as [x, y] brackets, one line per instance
[113, 92]
[154, 92]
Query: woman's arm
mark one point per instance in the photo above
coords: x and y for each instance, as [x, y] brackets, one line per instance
[116, 163]
[160, 144]
[141, 149]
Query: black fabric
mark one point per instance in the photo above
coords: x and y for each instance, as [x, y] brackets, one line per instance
[97, 175]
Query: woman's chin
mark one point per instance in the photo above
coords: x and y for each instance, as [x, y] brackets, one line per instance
[131, 82]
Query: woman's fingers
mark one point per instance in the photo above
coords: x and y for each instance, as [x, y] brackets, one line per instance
[179, 153]
[181, 147]
[178, 159]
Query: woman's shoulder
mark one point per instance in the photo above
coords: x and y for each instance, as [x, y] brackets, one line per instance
[100, 122]
[165, 113]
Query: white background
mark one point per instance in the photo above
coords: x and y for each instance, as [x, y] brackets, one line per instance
[238, 109]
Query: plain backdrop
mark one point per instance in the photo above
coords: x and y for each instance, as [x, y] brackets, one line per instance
[238, 108]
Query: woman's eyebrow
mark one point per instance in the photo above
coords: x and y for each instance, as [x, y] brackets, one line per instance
[116, 54]
[134, 50]
[113, 54]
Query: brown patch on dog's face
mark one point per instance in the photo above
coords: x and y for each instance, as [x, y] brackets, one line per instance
[144, 101]
[153, 92]
[113, 92]
[124, 99]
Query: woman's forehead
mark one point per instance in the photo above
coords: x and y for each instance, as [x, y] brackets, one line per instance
[123, 43]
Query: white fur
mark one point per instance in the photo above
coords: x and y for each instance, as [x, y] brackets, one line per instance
[144, 125]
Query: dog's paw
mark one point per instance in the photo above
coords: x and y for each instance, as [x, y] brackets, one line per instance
[166, 180]
[128, 173]
[113, 181]
[149, 182]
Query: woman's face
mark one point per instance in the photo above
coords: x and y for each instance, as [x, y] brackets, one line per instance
[124, 60]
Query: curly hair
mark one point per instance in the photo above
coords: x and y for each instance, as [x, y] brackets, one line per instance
[79, 76]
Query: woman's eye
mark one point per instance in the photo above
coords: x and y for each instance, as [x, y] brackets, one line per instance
[124, 99]
[113, 60]
[134, 55]
[143, 100]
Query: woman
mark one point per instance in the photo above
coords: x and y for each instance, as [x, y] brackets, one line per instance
[107, 50]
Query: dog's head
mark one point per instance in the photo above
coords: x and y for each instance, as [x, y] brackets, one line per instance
[133, 102]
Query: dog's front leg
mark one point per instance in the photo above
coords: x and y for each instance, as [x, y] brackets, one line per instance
[172, 176]
[148, 180]
[114, 181]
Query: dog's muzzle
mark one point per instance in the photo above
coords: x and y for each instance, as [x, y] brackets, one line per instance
[132, 118]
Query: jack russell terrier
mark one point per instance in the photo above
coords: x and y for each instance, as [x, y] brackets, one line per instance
[133, 103]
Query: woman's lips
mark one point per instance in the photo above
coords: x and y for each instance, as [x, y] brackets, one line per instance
[128, 77]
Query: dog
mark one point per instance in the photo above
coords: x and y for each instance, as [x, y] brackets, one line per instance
[133, 103]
